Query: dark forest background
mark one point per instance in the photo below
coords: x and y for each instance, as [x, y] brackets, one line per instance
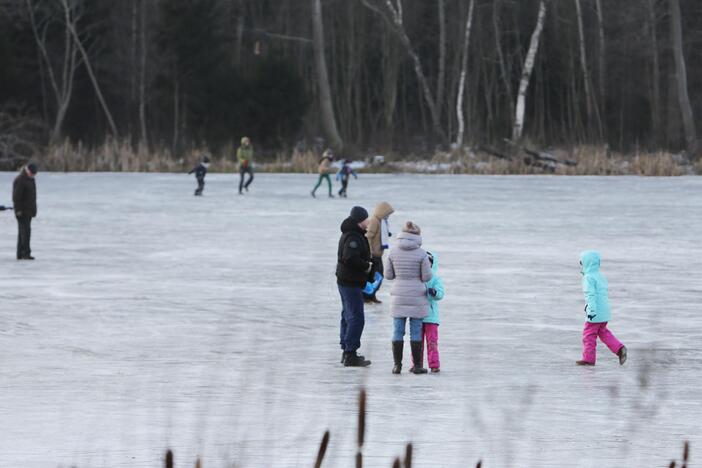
[176, 74]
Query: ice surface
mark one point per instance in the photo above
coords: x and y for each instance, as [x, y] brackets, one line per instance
[154, 319]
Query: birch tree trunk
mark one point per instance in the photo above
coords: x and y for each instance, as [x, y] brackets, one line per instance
[681, 78]
[460, 114]
[326, 105]
[526, 74]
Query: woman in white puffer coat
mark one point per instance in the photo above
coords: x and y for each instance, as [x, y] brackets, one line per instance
[408, 265]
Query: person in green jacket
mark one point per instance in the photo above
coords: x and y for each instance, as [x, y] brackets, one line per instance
[244, 156]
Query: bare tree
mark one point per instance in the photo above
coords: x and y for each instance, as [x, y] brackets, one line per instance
[681, 78]
[326, 104]
[61, 80]
[462, 81]
[526, 74]
[602, 68]
[68, 7]
[396, 21]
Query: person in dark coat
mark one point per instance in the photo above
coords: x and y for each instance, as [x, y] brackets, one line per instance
[200, 172]
[24, 198]
[353, 269]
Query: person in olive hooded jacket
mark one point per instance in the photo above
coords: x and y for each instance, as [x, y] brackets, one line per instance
[378, 235]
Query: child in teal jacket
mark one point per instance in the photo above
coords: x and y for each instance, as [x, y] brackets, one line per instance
[430, 328]
[597, 311]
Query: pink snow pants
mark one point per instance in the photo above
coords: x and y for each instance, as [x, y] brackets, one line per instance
[590, 334]
[430, 334]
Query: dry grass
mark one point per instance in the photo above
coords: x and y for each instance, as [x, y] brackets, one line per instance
[120, 156]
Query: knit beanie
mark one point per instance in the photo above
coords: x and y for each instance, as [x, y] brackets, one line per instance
[411, 228]
[359, 214]
[31, 167]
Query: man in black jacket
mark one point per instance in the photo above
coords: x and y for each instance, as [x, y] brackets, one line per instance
[353, 269]
[24, 198]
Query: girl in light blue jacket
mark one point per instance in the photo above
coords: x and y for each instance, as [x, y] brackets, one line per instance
[430, 328]
[597, 311]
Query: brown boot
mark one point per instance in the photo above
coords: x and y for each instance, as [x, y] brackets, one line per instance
[417, 358]
[584, 363]
[622, 355]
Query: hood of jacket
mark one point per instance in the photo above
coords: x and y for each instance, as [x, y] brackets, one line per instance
[349, 225]
[590, 261]
[383, 210]
[409, 241]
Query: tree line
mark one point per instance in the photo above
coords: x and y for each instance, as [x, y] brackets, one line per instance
[408, 75]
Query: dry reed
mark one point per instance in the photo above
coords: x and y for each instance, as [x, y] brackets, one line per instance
[322, 450]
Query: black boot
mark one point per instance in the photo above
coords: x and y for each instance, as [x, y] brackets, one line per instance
[417, 358]
[343, 357]
[397, 356]
[354, 360]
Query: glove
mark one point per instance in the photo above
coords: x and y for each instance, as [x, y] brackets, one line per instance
[432, 292]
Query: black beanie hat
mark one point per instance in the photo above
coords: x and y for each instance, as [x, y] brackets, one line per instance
[31, 167]
[359, 214]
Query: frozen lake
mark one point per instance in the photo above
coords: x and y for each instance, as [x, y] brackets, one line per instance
[155, 319]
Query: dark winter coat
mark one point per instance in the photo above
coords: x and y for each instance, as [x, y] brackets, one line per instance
[200, 170]
[353, 256]
[24, 196]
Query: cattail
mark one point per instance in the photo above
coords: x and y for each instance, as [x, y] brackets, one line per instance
[408, 456]
[169, 459]
[396, 463]
[198, 464]
[322, 450]
[480, 464]
[672, 464]
[361, 427]
[361, 418]
[686, 454]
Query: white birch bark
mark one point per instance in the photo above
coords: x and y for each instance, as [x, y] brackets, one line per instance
[526, 74]
[462, 81]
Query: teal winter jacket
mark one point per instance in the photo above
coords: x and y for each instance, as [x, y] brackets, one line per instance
[595, 288]
[436, 283]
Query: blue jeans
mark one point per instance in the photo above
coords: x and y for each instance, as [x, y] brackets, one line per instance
[352, 318]
[399, 329]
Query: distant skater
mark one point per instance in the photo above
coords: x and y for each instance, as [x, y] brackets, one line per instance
[200, 172]
[343, 176]
[24, 197]
[597, 310]
[244, 156]
[409, 266]
[324, 170]
[378, 235]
